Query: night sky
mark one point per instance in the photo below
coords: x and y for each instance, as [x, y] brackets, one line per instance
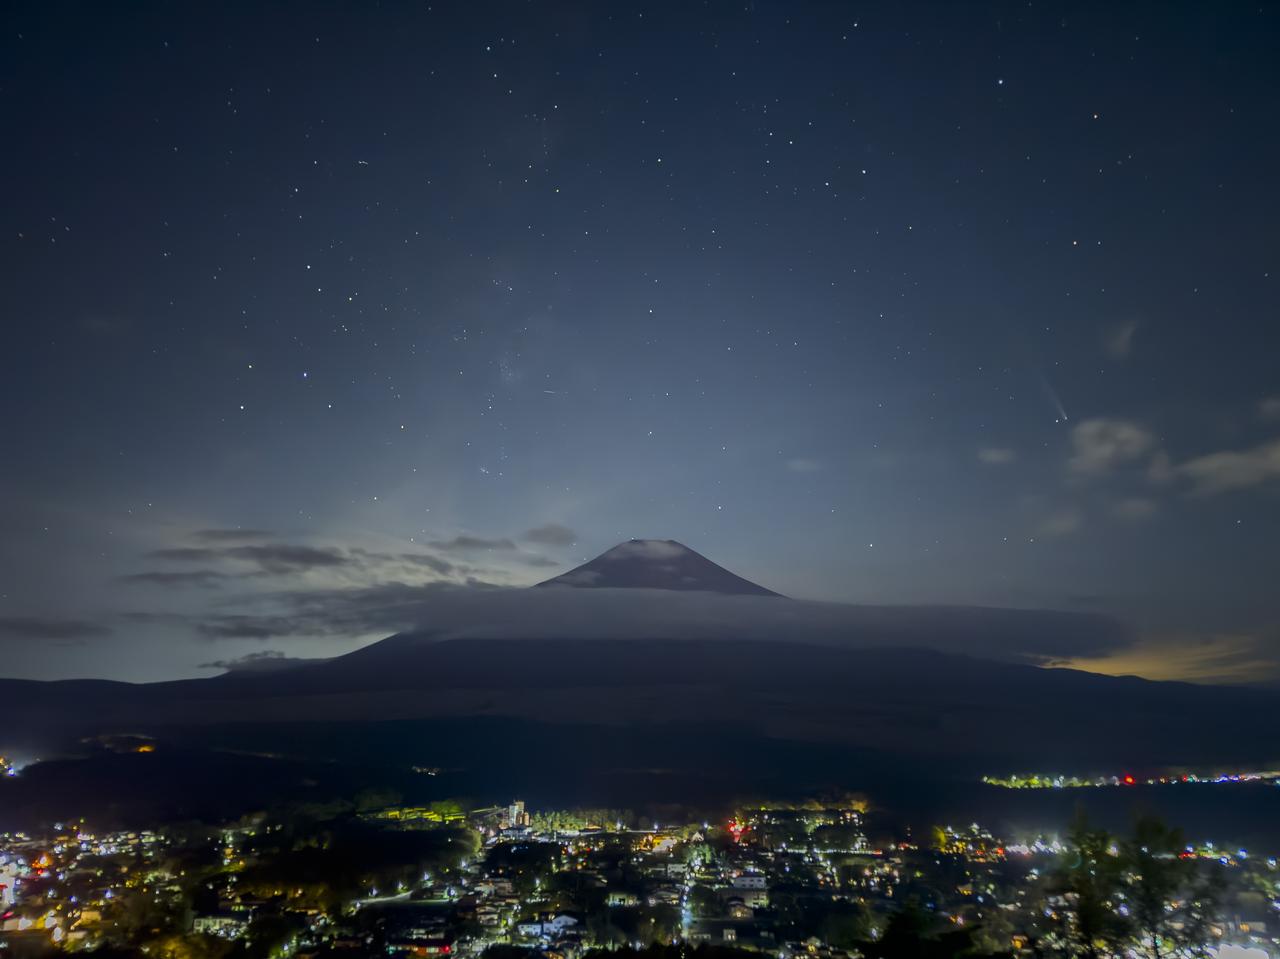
[956, 303]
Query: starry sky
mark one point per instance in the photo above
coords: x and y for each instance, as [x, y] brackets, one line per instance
[929, 303]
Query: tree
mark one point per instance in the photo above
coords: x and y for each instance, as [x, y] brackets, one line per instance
[372, 798]
[912, 932]
[1156, 874]
[603, 931]
[503, 951]
[568, 890]
[647, 924]
[845, 925]
[704, 902]
[136, 916]
[268, 935]
[1090, 882]
[1037, 920]
[697, 855]
[189, 947]
[1201, 909]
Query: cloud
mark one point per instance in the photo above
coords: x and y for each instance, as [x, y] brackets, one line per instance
[259, 662]
[1160, 470]
[552, 534]
[1060, 524]
[187, 554]
[354, 612]
[336, 566]
[230, 535]
[1102, 445]
[996, 456]
[197, 577]
[1219, 658]
[241, 626]
[286, 558]
[542, 562]
[379, 563]
[1134, 508]
[258, 657]
[1232, 470]
[273, 558]
[437, 611]
[802, 465]
[472, 543]
[52, 628]
[1269, 408]
[433, 563]
[1117, 340]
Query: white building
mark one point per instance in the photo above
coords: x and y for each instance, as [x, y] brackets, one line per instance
[222, 924]
[547, 927]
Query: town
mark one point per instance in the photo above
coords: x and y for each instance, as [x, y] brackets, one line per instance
[1059, 781]
[511, 882]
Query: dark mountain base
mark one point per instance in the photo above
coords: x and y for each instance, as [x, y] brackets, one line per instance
[214, 773]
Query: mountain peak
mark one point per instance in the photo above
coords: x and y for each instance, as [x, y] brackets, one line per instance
[656, 564]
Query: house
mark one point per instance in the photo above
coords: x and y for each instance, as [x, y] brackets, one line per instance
[228, 925]
[547, 926]
[752, 888]
[664, 895]
[738, 932]
[494, 886]
[529, 928]
[1249, 924]
[559, 924]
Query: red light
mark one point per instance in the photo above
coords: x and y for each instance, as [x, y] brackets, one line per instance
[1128, 780]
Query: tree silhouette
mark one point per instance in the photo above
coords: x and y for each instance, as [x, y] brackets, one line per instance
[1143, 895]
[913, 932]
[1201, 909]
[1090, 880]
[1156, 875]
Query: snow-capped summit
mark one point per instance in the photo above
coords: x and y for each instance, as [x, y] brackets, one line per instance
[657, 564]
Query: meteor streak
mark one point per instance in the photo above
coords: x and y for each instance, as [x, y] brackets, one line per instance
[1053, 399]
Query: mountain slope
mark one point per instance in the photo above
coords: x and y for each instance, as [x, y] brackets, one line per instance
[919, 705]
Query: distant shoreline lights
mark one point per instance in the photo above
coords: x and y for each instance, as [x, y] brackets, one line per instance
[1052, 781]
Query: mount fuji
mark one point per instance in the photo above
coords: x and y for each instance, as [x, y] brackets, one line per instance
[620, 664]
[657, 564]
